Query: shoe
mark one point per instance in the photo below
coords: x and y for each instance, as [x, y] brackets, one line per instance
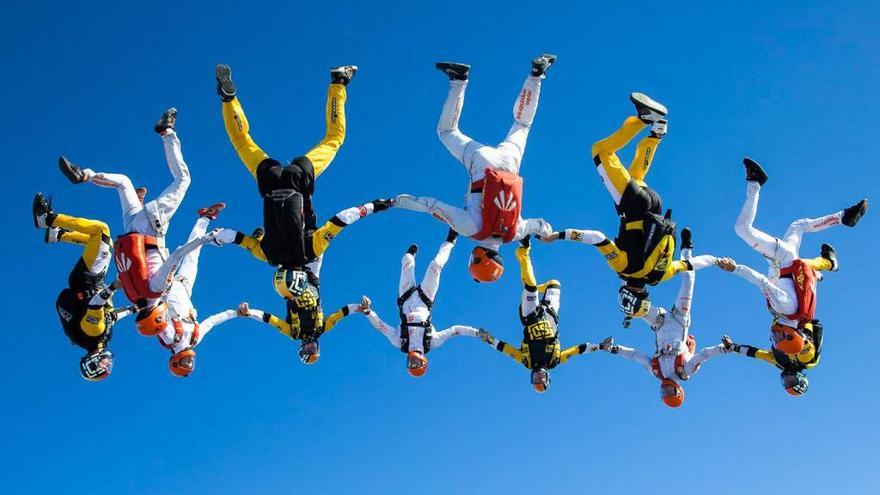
[225, 86]
[73, 172]
[658, 129]
[53, 234]
[413, 249]
[343, 74]
[687, 238]
[451, 236]
[541, 63]
[828, 252]
[141, 193]
[258, 234]
[854, 213]
[754, 172]
[456, 72]
[211, 212]
[42, 209]
[649, 111]
[166, 121]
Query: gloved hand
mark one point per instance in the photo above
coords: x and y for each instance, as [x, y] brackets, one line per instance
[382, 204]
[485, 336]
[243, 309]
[726, 264]
[365, 305]
[729, 345]
[607, 345]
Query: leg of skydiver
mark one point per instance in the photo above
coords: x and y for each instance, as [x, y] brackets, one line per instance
[769, 247]
[611, 170]
[524, 108]
[431, 281]
[163, 276]
[128, 197]
[456, 218]
[529, 298]
[459, 145]
[552, 293]
[92, 234]
[238, 129]
[782, 296]
[849, 216]
[169, 200]
[407, 271]
[189, 267]
[686, 292]
[334, 115]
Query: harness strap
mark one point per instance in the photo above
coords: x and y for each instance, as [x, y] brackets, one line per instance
[635, 225]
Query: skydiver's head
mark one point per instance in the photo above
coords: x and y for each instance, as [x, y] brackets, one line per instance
[153, 320]
[633, 301]
[96, 365]
[416, 363]
[183, 363]
[795, 382]
[540, 379]
[309, 351]
[290, 284]
[671, 393]
[485, 265]
[786, 339]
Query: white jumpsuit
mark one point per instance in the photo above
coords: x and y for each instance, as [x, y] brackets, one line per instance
[415, 309]
[476, 158]
[671, 334]
[780, 253]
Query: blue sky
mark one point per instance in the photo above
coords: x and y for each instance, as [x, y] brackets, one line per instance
[791, 85]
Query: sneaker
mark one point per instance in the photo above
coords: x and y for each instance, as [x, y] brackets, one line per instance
[211, 212]
[343, 74]
[451, 236]
[73, 172]
[687, 238]
[455, 71]
[166, 121]
[541, 63]
[754, 172]
[225, 86]
[42, 210]
[649, 111]
[828, 252]
[413, 249]
[854, 213]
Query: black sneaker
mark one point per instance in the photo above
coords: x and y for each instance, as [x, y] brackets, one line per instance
[828, 252]
[343, 74]
[225, 86]
[258, 234]
[451, 236]
[687, 238]
[456, 72]
[854, 213]
[413, 249]
[649, 111]
[43, 214]
[73, 172]
[541, 63]
[166, 121]
[754, 172]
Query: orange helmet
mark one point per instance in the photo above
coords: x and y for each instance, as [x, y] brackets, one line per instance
[416, 364]
[485, 265]
[151, 321]
[671, 393]
[540, 380]
[183, 363]
[787, 339]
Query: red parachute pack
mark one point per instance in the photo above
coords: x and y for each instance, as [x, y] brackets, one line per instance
[502, 204]
[804, 278]
[131, 263]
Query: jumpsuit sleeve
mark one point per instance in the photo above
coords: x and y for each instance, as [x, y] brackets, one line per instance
[94, 323]
[705, 354]
[513, 352]
[390, 333]
[634, 355]
[212, 321]
[537, 227]
[576, 350]
[322, 237]
[270, 319]
[440, 338]
[251, 244]
[756, 353]
[341, 313]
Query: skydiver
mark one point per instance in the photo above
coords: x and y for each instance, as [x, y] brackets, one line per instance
[491, 215]
[790, 286]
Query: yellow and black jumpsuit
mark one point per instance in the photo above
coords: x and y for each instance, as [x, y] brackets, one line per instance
[288, 213]
[538, 312]
[85, 307]
[791, 363]
[305, 318]
[635, 202]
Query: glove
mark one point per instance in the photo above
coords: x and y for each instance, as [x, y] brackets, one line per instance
[545, 230]
[728, 344]
[726, 264]
[365, 305]
[243, 309]
[485, 336]
[382, 204]
[607, 345]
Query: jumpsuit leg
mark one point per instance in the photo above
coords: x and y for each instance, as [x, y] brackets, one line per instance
[334, 115]
[238, 129]
[96, 253]
[431, 281]
[189, 267]
[407, 274]
[761, 242]
[807, 226]
[611, 170]
[457, 218]
[128, 198]
[686, 292]
[459, 145]
[163, 276]
[641, 163]
[524, 109]
[553, 295]
[169, 200]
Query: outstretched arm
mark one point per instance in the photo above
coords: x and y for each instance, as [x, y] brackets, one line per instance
[537, 227]
[268, 318]
[705, 353]
[577, 350]
[500, 345]
[590, 237]
[249, 243]
[629, 353]
[440, 338]
[340, 313]
[212, 321]
[322, 237]
[756, 353]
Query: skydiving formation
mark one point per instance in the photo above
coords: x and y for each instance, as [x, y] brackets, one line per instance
[159, 283]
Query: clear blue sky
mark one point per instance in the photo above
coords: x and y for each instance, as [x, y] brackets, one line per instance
[793, 86]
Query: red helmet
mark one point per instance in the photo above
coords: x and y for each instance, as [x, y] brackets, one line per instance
[183, 363]
[485, 265]
[671, 393]
[151, 321]
[787, 339]
[416, 364]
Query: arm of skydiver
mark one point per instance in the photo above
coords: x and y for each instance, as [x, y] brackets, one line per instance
[756, 353]
[633, 355]
[94, 323]
[250, 243]
[322, 237]
[513, 352]
[268, 318]
[390, 333]
[212, 321]
[341, 313]
[577, 350]
[589, 237]
[440, 338]
[693, 364]
[537, 227]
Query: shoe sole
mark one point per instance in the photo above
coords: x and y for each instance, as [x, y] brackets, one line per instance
[831, 253]
[447, 67]
[863, 208]
[641, 99]
[753, 165]
[224, 75]
[70, 171]
[36, 214]
[549, 58]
